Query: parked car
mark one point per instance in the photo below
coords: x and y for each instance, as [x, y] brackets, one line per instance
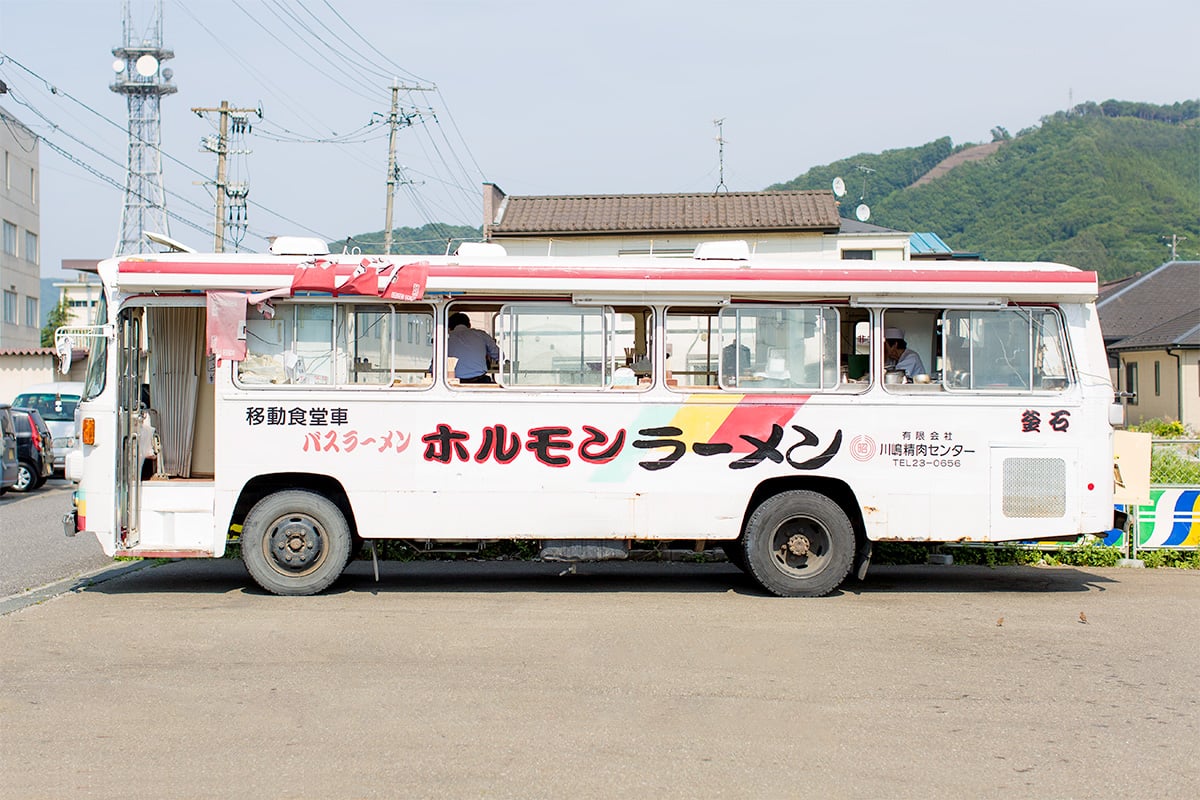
[56, 403]
[8, 449]
[34, 449]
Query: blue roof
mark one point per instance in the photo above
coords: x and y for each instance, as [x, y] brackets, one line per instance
[928, 244]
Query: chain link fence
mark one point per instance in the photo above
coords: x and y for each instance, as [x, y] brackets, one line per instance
[1175, 462]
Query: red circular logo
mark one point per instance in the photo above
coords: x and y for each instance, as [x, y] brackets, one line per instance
[862, 448]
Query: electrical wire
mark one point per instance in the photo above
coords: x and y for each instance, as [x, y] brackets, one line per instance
[120, 165]
[54, 90]
[310, 62]
[450, 172]
[293, 105]
[375, 49]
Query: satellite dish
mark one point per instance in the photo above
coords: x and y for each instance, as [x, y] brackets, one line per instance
[839, 187]
[146, 66]
[119, 65]
[168, 73]
[863, 212]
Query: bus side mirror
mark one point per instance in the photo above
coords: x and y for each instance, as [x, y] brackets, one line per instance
[63, 347]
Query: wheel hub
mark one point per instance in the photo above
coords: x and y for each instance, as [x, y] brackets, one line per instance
[296, 544]
[798, 545]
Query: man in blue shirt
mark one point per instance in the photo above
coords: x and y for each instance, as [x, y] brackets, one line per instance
[474, 350]
[896, 354]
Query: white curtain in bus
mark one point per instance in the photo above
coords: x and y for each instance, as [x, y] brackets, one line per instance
[176, 336]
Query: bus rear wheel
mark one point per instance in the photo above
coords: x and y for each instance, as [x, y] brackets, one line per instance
[295, 542]
[799, 544]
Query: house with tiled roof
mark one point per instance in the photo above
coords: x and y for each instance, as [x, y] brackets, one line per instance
[788, 223]
[1151, 326]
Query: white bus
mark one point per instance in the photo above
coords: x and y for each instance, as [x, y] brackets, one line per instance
[738, 401]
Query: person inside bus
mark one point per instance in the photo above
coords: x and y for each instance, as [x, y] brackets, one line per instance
[896, 354]
[474, 349]
[735, 361]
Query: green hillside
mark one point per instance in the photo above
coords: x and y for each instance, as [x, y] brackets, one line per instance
[1097, 188]
[428, 240]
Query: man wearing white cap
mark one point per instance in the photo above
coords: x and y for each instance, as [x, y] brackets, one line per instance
[896, 354]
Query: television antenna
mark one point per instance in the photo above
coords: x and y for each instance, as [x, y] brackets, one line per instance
[720, 123]
[862, 212]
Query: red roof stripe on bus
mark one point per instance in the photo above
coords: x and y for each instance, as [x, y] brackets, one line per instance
[693, 273]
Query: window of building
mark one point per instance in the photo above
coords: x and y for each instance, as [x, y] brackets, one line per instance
[1157, 379]
[10, 307]
[858, 255]
[33, 185]
[32, 318]
[31, 247]
[10, 238]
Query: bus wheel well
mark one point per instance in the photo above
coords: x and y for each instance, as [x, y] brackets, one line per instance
[837, 490]
[263, 485]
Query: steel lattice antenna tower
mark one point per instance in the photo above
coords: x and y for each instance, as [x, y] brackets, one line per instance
[143, 80]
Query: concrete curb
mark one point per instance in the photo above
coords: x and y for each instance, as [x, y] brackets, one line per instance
[16, 602]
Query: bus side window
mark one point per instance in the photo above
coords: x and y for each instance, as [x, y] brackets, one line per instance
[338, 344]
[779, 348]
[693, 348]
[560, 345]
[1006, 349]
[391, 345]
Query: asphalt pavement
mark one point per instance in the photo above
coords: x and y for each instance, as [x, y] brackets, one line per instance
[33, 550]
[525, 679]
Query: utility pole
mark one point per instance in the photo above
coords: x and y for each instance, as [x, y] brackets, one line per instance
[1175, 240]
[221, 148]
[395, 120]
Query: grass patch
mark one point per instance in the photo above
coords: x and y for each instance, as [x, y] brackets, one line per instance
[1002, 555]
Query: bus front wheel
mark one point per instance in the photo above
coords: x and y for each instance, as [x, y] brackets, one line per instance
[295, 542]
[799, 544]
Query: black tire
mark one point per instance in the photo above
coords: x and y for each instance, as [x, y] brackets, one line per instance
[295, 542]
[26, 478]
[799, 544]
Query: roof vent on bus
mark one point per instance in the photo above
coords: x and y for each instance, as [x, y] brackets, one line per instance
[298, 246]
[480, 250]
[733, 250]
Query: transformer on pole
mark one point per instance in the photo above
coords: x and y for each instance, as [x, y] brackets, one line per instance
[143, 80]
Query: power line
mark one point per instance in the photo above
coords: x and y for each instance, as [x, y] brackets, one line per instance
[293, 105]
[311, 63]
[54, 90]
[373, 48]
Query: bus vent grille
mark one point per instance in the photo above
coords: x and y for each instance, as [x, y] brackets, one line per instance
[1035, 488]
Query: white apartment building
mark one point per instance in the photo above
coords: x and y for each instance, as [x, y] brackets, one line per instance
[20, 273]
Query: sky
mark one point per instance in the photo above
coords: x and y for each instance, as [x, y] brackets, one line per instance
[546, 96]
